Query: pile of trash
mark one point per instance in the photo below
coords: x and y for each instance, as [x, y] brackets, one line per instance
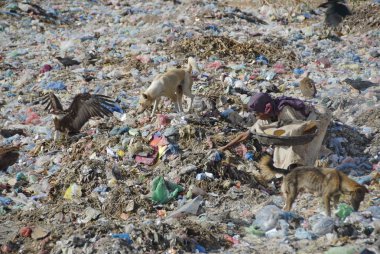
[129, 182]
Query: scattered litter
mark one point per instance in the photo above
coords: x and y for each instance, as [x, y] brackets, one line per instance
[131, 182]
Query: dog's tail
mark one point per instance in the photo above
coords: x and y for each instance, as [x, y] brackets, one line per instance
[267, 168]
[192, 64]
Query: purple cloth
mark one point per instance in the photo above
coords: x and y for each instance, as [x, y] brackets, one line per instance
[259, 103]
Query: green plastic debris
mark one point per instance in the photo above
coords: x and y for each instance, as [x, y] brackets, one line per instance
[344, 211]
[254, 231]
[134, 132]
[344, 250]
[162, 191]
[11, 7]
[18, 52]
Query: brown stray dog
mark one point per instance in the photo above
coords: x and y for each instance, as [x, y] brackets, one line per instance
[326, 182]
[172, 84]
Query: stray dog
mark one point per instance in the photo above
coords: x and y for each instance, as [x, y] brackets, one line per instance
[173, 84]
[326, 182]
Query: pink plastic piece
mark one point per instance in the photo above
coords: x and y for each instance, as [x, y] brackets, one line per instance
[32, 117]
[215, 65]
[143, 59]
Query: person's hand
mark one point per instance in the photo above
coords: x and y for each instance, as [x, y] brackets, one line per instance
[280, 123]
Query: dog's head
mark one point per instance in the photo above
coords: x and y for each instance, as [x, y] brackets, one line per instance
[357, 196]
[145, 102]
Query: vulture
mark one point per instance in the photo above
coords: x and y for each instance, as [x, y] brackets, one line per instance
[82, 108]
[8, 156]
[336, 12]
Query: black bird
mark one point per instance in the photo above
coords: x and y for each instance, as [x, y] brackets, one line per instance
[88, 77]
[6, 133]
[174, 1]
[92, 57]
[336, 12]
[8, 156]
[360, 85]
[82, 108]
[67, 61]
[37, 10]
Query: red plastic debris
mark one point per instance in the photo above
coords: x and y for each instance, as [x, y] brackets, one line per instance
[162, 120]
[46, 68]
[26, 231]
[323, 62]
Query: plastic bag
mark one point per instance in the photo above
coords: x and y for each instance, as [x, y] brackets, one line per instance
[344, 211]
[163, 191]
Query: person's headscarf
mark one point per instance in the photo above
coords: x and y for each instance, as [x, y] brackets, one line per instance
[264, 103]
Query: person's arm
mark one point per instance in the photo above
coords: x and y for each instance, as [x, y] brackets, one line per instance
[241, 137]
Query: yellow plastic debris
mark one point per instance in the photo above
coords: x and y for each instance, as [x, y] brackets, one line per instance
[74, 191]
[112, 182]
[120, 153]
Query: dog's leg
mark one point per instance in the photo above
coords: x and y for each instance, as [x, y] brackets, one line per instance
[179, 97]
[175, 101]
[190, 107]
[286, 201]
[179, 103]
[155, 106]
[291, 195]
[285, 194]
[336, 200]
[67, 135]
[187, 91]
[56, 136]
[289, 201]
[326, 201]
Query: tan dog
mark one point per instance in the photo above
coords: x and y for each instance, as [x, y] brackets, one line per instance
[326, 182]
[173, 84]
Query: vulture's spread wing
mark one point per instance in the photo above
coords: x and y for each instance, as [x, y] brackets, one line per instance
[342, 10]
[85, 106]
[8, 156]
[4, 150]
[323, 5]
[53, 103]
[6, 133]
[37, 10]
[332, 18]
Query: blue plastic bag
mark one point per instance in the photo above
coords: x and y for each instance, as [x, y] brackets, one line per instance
[54, 85]
[124, 236]
[262, 59]
[5, 201]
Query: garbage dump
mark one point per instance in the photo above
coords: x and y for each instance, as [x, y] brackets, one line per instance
[87, 166]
